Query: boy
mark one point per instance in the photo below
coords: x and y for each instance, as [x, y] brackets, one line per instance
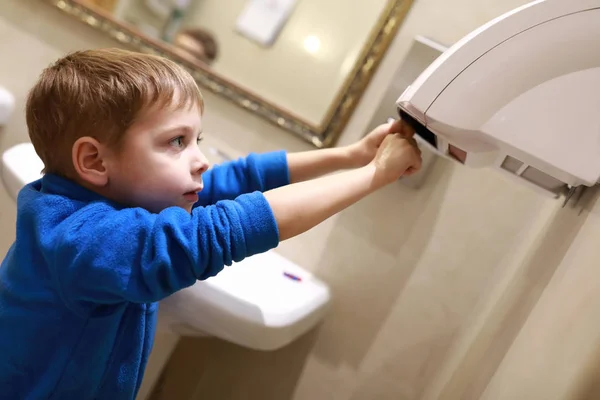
[128, 214]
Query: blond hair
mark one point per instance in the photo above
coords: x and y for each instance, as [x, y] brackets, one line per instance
[99, 93]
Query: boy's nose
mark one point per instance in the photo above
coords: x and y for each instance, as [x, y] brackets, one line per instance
[199, 164]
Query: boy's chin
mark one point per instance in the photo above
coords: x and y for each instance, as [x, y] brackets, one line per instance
[157, 207]
[186, 207]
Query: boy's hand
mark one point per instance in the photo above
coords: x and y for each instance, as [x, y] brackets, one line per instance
[397, 156]
[388, 157]
[363, 152]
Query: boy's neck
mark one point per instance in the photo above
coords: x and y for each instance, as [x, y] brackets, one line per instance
[102, 191]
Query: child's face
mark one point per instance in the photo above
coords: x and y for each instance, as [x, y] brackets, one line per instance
[160, 164]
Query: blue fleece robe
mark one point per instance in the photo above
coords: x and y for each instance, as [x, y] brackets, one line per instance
[79, 288]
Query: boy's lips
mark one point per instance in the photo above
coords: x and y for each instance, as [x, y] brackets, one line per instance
[192, 195]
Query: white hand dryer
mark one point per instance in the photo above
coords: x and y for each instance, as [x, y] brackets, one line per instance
[521, 94]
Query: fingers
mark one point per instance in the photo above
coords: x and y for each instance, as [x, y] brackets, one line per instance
[413, 142]
[410, 171]
[382, 130]
[403, 128]
[417, 159]
[418, 164]
[407, 130]
[418, 156]
[379, 133]
[413, 169]
[396, 126]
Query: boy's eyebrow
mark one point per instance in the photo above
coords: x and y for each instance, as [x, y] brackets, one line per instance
[176, 128]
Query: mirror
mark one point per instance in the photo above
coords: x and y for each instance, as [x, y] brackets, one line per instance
[300, 64]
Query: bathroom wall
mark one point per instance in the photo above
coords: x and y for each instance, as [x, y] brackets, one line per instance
[432, 287]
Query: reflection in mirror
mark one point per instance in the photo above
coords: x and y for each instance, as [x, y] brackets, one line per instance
[303, 64]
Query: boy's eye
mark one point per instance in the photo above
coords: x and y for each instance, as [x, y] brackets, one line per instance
[177, 142]
[200, 138]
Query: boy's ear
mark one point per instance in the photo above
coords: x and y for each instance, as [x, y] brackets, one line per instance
[88, 161]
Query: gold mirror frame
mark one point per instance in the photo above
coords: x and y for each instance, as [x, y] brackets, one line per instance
[323, 135]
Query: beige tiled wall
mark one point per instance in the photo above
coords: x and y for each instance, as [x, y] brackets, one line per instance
[413, 273]
[31, 36]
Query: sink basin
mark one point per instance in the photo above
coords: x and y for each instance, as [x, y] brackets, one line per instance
[263, 302]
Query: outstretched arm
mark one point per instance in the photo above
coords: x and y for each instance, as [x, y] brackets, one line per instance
[105, 255]
[301, 206]
[308, 165]
[102, 255]
[263, 172]
[255, 172]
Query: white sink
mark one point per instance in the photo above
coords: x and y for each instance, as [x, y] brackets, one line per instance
[263, 303]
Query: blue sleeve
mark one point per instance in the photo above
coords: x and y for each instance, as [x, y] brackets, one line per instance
[111, 256]
[256, 172]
